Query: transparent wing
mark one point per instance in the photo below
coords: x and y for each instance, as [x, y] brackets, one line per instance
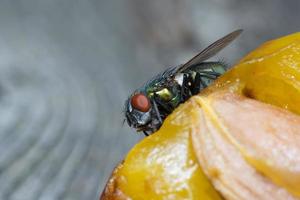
[211, 50]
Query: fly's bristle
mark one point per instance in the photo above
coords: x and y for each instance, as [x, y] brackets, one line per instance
[225, 63]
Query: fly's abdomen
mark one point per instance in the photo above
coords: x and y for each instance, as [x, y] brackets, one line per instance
[217, 67]
[205, 73]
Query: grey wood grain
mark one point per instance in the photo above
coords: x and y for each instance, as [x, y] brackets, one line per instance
[66, 68]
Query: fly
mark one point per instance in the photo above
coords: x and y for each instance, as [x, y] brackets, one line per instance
[148, 106]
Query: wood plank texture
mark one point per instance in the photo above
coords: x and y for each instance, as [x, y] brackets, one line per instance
[66, 68]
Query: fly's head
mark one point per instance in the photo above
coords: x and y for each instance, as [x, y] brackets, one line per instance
[138, 111]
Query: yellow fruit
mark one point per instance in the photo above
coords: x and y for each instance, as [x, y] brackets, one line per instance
[164, 166]
[245, 140]
[270, 74]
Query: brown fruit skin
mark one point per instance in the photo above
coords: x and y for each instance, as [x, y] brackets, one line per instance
[111, 190]
[236, 141]
[269, 74]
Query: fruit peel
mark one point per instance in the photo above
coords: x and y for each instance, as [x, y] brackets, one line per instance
[249, 143]
[270, 73]
[164, 166]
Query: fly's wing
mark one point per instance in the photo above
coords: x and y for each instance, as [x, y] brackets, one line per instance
[211, 50]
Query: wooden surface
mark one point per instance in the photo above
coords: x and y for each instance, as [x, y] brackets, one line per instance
[66, 68]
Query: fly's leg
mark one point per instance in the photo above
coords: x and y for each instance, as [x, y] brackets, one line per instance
[191, 87]
[213, 73]
[183, 88]
[165, 109]
[197, 84]
[210, 76]
[156, 125]
[145, 133]
[186, 87]
[157, 112]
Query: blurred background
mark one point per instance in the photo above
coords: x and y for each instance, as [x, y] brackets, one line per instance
[67, 66]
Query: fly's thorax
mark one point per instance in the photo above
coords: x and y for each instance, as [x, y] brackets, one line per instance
[165, 94]
[168, 94]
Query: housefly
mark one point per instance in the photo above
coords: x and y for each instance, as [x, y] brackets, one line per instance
[149, 105]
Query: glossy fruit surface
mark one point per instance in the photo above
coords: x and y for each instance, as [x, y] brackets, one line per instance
[270, 73]
[164, 166]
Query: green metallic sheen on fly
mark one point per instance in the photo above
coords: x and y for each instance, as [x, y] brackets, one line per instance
[149, 105]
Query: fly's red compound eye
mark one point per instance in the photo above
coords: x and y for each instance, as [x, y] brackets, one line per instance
[140, 102]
